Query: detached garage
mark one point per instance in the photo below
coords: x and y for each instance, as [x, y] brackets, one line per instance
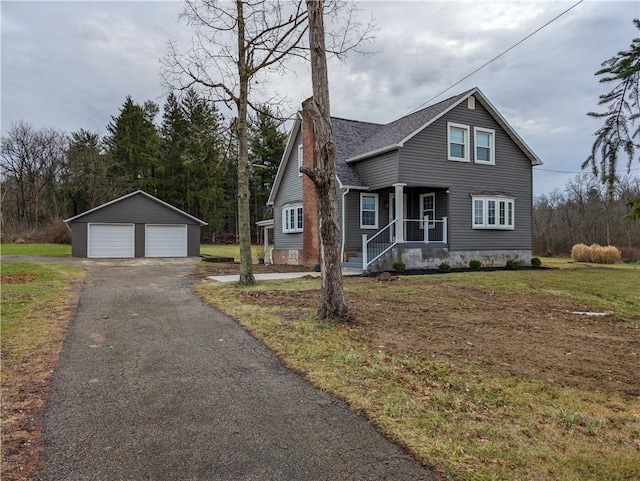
[135, 225]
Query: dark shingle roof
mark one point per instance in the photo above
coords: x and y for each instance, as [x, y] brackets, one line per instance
[354, 138]
[348, 135]
[398, 130]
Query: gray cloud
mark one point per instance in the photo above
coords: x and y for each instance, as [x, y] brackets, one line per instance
[71, 64]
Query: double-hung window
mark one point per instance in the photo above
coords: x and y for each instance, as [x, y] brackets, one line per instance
[292, 219]
[493, 212]
[484, 141]
[458, 142]
[368, 211]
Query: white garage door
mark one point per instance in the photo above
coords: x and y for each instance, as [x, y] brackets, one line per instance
[110, 240]
[166, 241]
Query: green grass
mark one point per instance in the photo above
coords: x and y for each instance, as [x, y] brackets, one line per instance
[62, 250]
[568, 263]
[228, 250]
[40, 250]
[469, 422]
[26, 288]
[36, 309]
[606, 288]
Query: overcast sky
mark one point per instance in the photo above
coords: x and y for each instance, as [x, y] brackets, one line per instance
[70, 65]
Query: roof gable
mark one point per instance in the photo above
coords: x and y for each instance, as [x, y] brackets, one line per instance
[132, 194]
[395, 134]
[357, 141]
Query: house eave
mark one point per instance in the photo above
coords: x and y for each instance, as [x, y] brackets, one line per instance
[284, 160]
[372, 153]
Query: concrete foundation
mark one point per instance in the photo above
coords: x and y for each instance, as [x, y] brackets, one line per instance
[421, 257]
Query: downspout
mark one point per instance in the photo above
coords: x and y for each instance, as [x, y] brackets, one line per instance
[344, 197]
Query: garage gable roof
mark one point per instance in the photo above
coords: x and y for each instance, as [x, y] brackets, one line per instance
[137, 192]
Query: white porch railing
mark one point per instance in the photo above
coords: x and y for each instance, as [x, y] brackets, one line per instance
[379, 244]
[383, 241]
[436, 230]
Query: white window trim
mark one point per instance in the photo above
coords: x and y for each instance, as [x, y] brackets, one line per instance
[492, 145]
[300, 159]
[485, 212]
[422, 211]
[466, 129]
[285, 217]
[377, 210]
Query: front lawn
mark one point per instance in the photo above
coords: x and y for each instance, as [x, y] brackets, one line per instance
[39, 250]
[38, 301]
[230, 250]
[487, 375]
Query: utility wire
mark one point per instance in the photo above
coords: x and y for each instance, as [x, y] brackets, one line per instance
[571, 172]
[497, 56]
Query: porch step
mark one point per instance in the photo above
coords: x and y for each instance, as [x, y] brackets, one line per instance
[354, 262]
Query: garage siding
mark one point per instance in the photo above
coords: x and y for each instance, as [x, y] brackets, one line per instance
[139, 209]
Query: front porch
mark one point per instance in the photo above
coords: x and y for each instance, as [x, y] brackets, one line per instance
[418, 220]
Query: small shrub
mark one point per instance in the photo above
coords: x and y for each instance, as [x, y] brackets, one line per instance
[536, 262]
[475, 264]
[580, 253]
[512, 264]
[399, 266]
[444, 267]
[629, 254]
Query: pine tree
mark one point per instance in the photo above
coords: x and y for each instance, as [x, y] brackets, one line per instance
[133, 145]
[266, 146]
[621, 129]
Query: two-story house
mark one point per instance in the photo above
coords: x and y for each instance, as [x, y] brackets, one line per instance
[449, 183]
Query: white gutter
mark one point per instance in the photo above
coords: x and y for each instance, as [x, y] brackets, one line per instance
[344, 196]
[379, 151]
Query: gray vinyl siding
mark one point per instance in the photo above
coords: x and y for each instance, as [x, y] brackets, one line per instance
[140, 240]
[353, 241]
[290, 192]
[423, 162]
[79, 239]
[379, 171]
[137, 209]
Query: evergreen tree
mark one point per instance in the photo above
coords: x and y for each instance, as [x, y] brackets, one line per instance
[205, 163]
[171, 171]
[84, 182]
[621, 129]
[133, 144]
[266, 146]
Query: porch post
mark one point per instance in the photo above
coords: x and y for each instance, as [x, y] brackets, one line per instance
[365, 259]
[399, 212]
[266, 243]
[445, 227]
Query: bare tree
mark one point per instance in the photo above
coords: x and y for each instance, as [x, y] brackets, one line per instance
[323, 176]
[236, 46]
[31, 161]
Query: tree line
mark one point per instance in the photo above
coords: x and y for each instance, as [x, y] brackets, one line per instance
[586, 211]
[187, 159]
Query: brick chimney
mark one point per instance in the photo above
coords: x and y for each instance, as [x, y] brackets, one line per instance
[311, 233]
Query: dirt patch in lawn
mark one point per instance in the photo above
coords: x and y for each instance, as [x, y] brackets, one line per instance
[528, 334]
[17, 278]
[228, 268]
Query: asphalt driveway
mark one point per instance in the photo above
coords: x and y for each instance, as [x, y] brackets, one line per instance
[153, 384]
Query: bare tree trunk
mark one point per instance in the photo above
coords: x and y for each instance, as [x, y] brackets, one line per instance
[332, 303]
[244, 207]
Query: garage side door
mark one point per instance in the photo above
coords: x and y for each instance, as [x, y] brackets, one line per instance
[166, 240]
[111, 240]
